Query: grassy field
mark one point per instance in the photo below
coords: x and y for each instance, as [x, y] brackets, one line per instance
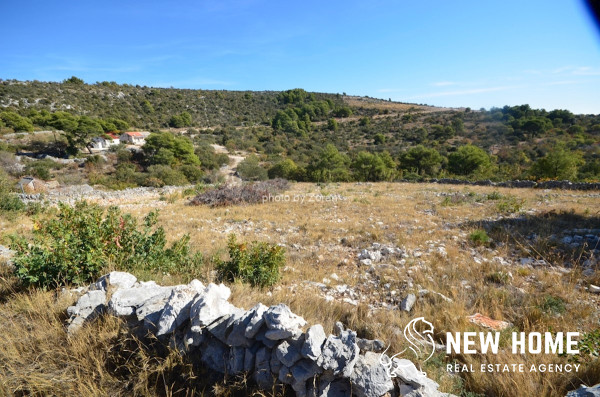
[476, 246]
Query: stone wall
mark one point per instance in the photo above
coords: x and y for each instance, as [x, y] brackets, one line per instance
[270, 344]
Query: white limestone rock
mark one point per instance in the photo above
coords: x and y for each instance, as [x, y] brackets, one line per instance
[369, 377]
[282, 323]
[177, 307]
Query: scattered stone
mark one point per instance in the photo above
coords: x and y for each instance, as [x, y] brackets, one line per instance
[265, 342]
[125, 301]
[210, 305]
[423, 292]
[368, 345]
[594, 289]
[373, 256]
[339, 353]
[256, 320]
[338, 328]
[282, 323]
[408, 302]
[304, 370]
[177, 308]
[236, 360]
[87, 307]
[589, 272]
[532, 262]
[418, 384]
[288, 354]
[315, 337]
[487, 322]
[585, 391]
[115, 279]
[262, 369]
[221, 327]
[369, 377]
[215, 356]
[334, 388]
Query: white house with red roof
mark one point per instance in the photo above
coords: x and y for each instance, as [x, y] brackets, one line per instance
[104, 142]
[134, 137]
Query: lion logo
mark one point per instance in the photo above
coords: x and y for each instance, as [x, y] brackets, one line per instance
[421, 343]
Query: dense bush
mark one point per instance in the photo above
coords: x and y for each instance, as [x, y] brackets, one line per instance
[168, 149]
[76, 245]
[285, 169]
[41, 168]
[257, 263]
[469, 160]
[251, 170]
[161, 175]
[479, 237]
[9, 201]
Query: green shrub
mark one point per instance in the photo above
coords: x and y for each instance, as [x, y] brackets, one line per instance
[589, 345]
[38, 170]
[192, 173]
[494, 196]
[161, 175]
[34, 208]
[251, 170]
[10, 202]
[553, 305]
[81, 241]
[257, 263]
[479, 237]
[510, 205]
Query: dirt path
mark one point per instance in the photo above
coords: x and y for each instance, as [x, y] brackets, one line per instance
[229, 171]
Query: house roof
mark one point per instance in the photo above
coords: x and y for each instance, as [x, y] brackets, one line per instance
[135, 133]
[25, 180]
[112, 135]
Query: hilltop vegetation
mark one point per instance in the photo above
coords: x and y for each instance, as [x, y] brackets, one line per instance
[305, 136]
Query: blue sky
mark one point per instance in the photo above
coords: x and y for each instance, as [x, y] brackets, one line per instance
[446, 53]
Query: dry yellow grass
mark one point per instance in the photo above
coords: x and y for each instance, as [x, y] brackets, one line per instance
[324, 237]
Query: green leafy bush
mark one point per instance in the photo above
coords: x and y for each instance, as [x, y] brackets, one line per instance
[10, 202]
[553, 305]
[257, 263]
[161, 175]
[251, 170]
[78, 243]
[479, 237]
[589, 346]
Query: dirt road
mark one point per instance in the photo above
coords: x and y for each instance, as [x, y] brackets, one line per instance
[229, 170]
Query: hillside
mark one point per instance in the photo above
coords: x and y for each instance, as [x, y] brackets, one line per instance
[311, 136]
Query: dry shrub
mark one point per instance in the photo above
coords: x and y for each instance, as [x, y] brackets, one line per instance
[253, 193]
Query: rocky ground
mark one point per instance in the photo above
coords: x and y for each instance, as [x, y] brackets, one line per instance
[375, 256]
